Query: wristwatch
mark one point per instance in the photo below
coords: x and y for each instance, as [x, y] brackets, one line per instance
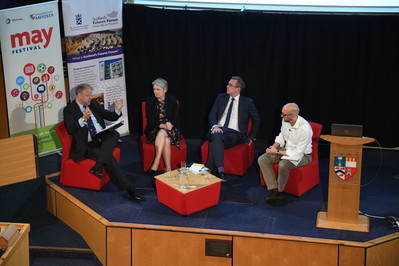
[84, 120]
[277, 152]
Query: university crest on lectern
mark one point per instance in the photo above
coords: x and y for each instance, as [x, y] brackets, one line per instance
[345, 167]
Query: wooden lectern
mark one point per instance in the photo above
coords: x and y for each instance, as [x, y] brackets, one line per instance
[344, 185]
[16, 238]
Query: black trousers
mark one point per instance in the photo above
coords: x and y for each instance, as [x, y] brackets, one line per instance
[218, 142]
[101, 151]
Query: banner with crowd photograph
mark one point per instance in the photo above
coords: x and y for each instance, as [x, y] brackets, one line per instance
[94, 47]
[33, 71]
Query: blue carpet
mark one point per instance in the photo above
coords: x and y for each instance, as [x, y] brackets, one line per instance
[242, 207]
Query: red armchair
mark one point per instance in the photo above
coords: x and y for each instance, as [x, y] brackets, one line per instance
[237, 159]
[303, 178]
[76, 174]
[147, 151]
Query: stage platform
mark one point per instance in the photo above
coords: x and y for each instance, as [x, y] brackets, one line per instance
[241, 230]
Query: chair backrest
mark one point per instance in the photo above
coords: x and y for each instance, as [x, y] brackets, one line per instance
[66, 140]
[144, 115]
[249, 127]
[315, 139]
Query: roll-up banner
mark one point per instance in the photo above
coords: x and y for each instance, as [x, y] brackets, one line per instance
[95, 50]
[33, 71]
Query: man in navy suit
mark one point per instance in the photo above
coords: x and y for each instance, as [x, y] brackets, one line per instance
[229, 119]
[83, 117]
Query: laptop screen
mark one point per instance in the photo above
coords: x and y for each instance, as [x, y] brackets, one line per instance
[347, 130]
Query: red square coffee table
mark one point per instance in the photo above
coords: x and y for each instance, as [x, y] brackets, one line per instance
[201, 193]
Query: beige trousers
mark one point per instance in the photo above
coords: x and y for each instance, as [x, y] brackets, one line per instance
[266, 161]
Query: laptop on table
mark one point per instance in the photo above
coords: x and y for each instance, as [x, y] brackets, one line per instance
[347, 130]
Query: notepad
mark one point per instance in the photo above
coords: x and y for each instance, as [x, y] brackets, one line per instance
[196, 167]
[114, 125]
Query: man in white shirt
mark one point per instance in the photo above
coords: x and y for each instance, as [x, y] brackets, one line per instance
[292, 148]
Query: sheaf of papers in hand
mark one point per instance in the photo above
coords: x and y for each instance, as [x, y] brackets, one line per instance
[195, 168]
[113, 125]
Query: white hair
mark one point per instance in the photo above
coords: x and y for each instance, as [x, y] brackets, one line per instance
[161, 83]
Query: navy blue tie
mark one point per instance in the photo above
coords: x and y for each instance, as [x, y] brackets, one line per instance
[91, 127]
[226, 123]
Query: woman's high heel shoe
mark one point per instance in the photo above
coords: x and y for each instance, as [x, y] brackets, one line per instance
[151, 172]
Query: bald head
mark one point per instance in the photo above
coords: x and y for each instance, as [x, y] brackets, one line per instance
[290, 113]
[291, 108]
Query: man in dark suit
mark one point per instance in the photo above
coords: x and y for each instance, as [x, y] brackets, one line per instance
[84, 117]
[229, 119]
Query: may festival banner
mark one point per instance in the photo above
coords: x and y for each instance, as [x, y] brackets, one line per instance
[94, 47]
[33, 71]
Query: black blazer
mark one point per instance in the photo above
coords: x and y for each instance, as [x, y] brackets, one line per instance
[246, 110]
[172, 113]
[72, 113]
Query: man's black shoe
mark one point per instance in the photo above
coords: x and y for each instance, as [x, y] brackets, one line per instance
[272, 197]
[275, 197]
[280, 196]
[97, 171]
[133, 194]
[270, 200]
[222, 176]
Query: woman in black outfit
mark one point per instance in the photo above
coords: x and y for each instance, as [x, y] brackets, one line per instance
[163, 123]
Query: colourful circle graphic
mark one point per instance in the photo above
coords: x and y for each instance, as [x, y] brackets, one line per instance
[41, 88]
[51, 87]
[51, 69]
[20, 80]
[36, 80]
[45, 77]
[58, 94]
[24, 96]
[14, 92]
[29, 69]
[25, 86]
[28, 109]
[41, 68]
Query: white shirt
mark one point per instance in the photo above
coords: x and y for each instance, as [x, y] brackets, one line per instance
[93, 118]
[296, 139]
[233, 123]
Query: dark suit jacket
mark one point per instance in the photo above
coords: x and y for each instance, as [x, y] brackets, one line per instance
[72, 113]
[246, 110]
[172, 113]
